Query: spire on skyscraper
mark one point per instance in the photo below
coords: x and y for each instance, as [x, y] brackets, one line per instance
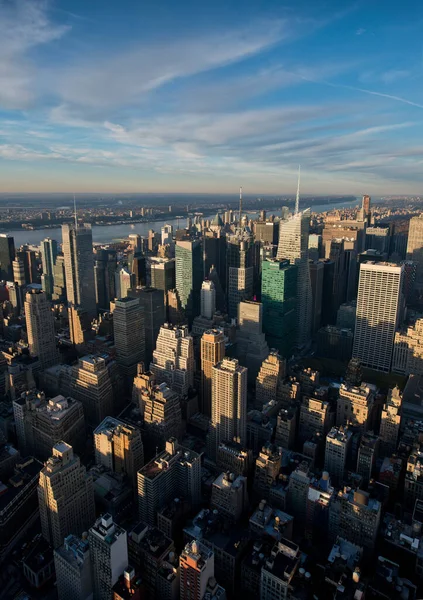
[297, 199]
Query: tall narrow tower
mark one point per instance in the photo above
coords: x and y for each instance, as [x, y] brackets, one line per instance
[229, 403]
[40, 329]
[212, 352]
[79, 266]
[293, 246]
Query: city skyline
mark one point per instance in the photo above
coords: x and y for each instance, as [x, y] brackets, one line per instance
[161, 99]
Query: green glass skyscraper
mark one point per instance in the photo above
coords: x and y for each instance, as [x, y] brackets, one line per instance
[279, 296]
[189, 276]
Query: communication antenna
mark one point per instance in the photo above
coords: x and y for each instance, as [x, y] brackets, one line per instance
[74, 210]
[297, 199]
[240, 205]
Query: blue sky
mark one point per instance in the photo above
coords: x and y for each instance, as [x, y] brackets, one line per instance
[173, 95]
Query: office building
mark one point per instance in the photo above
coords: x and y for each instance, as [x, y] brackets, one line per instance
[18, 503]
[189, 276]
[286, 427]
[354, 516]
[355, 406]
[40, 329]
[229, 495]
[279, 570]
[335, 343]
[167, 235]
[109, 555]
[153, 305]
[415, 246]
[30, 262]
[173, 473]
[161, 410]
[315, 417]
[379, 308]
[240, 269]
[65, 496]
[79, 266]
[42, 423]
[267, 467]
[80, 330]
[298, 488]
[251, 348]
[92, 385]
[59, 279]
[214, 253]
[208, 299]
[338, 442]
[173, 358]
[378, 238]
[270, 379]
[19, 273]
[196, 565]
[279, 297]
[293, 246]
[212, 352]
[137, 264]
[129, 334]
[407, 358]
[118, 446]
[232, 457]
[390, 422]
[123, 282]
[162, 273]
[72, 564]
[48, 258]
[345, 318]
[316, 269]
[320, 495]
[229, 404]
[367, 456]
[148, 548]
[7, 256]
[105, 263]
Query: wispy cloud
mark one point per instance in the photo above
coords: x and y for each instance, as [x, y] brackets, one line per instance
[24, 24]
[360, 31]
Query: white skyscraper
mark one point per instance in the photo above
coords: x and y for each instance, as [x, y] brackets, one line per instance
[79, 266]
[40, 329]
[293, 246]
[379, 304]
[229, 403]
[173, 358]
[208, 299]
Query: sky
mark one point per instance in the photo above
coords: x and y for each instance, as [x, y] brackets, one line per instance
[187, 96]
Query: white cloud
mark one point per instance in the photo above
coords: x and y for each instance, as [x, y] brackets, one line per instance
[24, 24]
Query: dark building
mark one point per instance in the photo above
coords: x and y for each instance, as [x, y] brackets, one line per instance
[104, 276]
[7, 256]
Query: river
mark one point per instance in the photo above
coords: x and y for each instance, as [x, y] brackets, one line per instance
[103, 234]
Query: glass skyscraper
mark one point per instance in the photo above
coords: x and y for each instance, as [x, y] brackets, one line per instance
[279, 300]
[79, 267]
[189, 276]
[293, 246]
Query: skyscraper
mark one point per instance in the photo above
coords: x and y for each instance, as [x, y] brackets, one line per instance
[189, 276]
[229, 404]
[59, 279]
[293, 246]
[196, 565]
[48, 257]
[109, 555]
[379, 307]
[91, 384]
[240, 269]
[124, 280]
[153, 304]
[279, 298]
[104, 275]
[208, 299]
[7, 256]
[118, 446]
[415, 246]
[252, 348]
[79, 266]
[162, 272]
[390, 422]
[72, 563]
[173, 358]
[173, 473]
[65, 496]
[129, 333]
[271, 375]
[212, 352]
[40, 329]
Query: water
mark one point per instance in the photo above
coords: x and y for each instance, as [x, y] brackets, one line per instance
[103, 234]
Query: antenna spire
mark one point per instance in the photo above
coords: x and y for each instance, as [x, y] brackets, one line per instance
[240, 205]
[74, 210]
[297, 199]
